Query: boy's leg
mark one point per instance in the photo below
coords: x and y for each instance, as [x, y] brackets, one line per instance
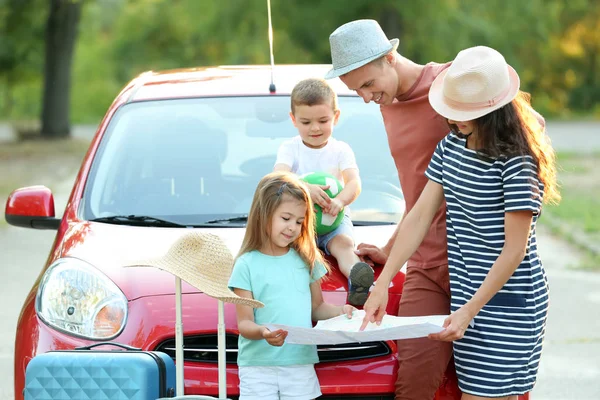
[360, 275]
[422, 362]
[341, 247]
[340, 244]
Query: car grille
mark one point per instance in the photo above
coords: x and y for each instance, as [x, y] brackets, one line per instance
[203, 348]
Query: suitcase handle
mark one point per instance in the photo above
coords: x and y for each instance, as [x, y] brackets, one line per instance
[123, 346]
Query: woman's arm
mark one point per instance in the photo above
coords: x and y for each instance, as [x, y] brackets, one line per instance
[516, 232]
[412, 231]
[322, 310]
[409, 236]
[251, 330]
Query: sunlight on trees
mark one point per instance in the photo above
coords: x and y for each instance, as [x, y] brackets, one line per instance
[553, 44]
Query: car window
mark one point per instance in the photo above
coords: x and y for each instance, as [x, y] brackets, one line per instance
[193, 160]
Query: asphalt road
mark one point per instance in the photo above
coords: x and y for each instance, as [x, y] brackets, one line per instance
[570, 367]
[581, 137]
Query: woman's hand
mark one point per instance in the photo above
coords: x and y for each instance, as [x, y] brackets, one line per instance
[275, 338]
[371, 254]
[318, 195]
[455, 325]
[375, 306]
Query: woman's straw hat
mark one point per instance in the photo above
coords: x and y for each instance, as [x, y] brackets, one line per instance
[204, 261]
[478, 82]
[357, 43]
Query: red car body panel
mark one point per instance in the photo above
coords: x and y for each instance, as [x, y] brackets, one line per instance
[151, 317]
[20, 201]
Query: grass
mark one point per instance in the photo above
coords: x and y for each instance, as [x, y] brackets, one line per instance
[38, 162]
[578, 213]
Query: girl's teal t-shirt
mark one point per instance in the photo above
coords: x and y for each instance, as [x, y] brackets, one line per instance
[282, 284]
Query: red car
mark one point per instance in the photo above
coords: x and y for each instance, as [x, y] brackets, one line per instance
[184, 150]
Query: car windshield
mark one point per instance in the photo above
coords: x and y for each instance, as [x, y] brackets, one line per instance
[191, 161]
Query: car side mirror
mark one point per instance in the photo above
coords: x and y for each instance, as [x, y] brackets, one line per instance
[31, 207]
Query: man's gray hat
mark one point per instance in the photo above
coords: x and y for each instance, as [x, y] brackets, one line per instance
[357, 43]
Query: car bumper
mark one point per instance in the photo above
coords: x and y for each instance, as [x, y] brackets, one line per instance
[152, 321]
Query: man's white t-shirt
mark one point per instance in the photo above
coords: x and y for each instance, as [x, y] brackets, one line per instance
[332, 158]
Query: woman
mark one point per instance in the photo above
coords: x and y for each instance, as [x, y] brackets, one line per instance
[494, 169]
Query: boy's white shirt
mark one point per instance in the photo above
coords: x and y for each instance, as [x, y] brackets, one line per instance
[333, 158]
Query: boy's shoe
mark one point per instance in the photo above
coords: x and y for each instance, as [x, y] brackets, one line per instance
[359, 282]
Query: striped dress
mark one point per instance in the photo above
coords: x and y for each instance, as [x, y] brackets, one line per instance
[500, 354]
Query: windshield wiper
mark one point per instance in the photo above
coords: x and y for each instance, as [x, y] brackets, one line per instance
[138, 220]
[368, 223]
[236, 219]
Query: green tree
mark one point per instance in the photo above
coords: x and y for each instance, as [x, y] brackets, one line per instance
[21, 38]
[553, 44]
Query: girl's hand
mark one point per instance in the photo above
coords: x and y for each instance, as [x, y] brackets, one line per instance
[455, 326]
[275, 338]
[334, 207]
[348, 310]
[318, 195]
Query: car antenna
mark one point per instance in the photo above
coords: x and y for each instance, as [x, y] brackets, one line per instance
[272, 88]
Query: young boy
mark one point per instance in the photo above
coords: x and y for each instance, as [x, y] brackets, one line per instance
[314, 113]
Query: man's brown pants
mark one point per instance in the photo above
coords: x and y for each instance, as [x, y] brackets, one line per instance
[422, 362]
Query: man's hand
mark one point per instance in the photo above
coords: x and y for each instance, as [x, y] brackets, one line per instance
[318, 195]
[375, 306]
[371, 254]
[335, 206]
[275, 338]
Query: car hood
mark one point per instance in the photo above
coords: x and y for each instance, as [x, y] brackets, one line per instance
[110, 248]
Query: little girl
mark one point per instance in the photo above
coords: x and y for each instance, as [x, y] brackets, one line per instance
[280, 265]
[494, 169]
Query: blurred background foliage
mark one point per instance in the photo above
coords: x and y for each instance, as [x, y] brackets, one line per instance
[553, 44]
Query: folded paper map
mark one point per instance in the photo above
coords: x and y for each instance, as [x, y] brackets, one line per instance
[342, 329]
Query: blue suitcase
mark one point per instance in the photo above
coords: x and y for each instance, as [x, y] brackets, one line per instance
[85, 374]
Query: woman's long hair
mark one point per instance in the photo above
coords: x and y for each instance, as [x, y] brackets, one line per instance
[517, 130]
[272, 190]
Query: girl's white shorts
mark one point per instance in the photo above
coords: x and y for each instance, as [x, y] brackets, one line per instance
[293, 382]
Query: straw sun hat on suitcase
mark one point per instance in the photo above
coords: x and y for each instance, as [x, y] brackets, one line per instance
[204, 261]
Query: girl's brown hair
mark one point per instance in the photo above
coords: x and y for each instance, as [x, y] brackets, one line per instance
[517, 130]
[272, 190]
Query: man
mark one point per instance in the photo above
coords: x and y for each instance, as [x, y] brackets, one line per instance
[367, 62]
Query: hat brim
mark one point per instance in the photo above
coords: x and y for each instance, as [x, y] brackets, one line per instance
[215, 290]
[336, 72]
[439, 104]
[202, 260]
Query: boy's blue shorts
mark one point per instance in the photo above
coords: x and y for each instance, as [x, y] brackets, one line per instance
[345, 228]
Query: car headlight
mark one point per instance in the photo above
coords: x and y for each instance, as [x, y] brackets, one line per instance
[76, 298]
